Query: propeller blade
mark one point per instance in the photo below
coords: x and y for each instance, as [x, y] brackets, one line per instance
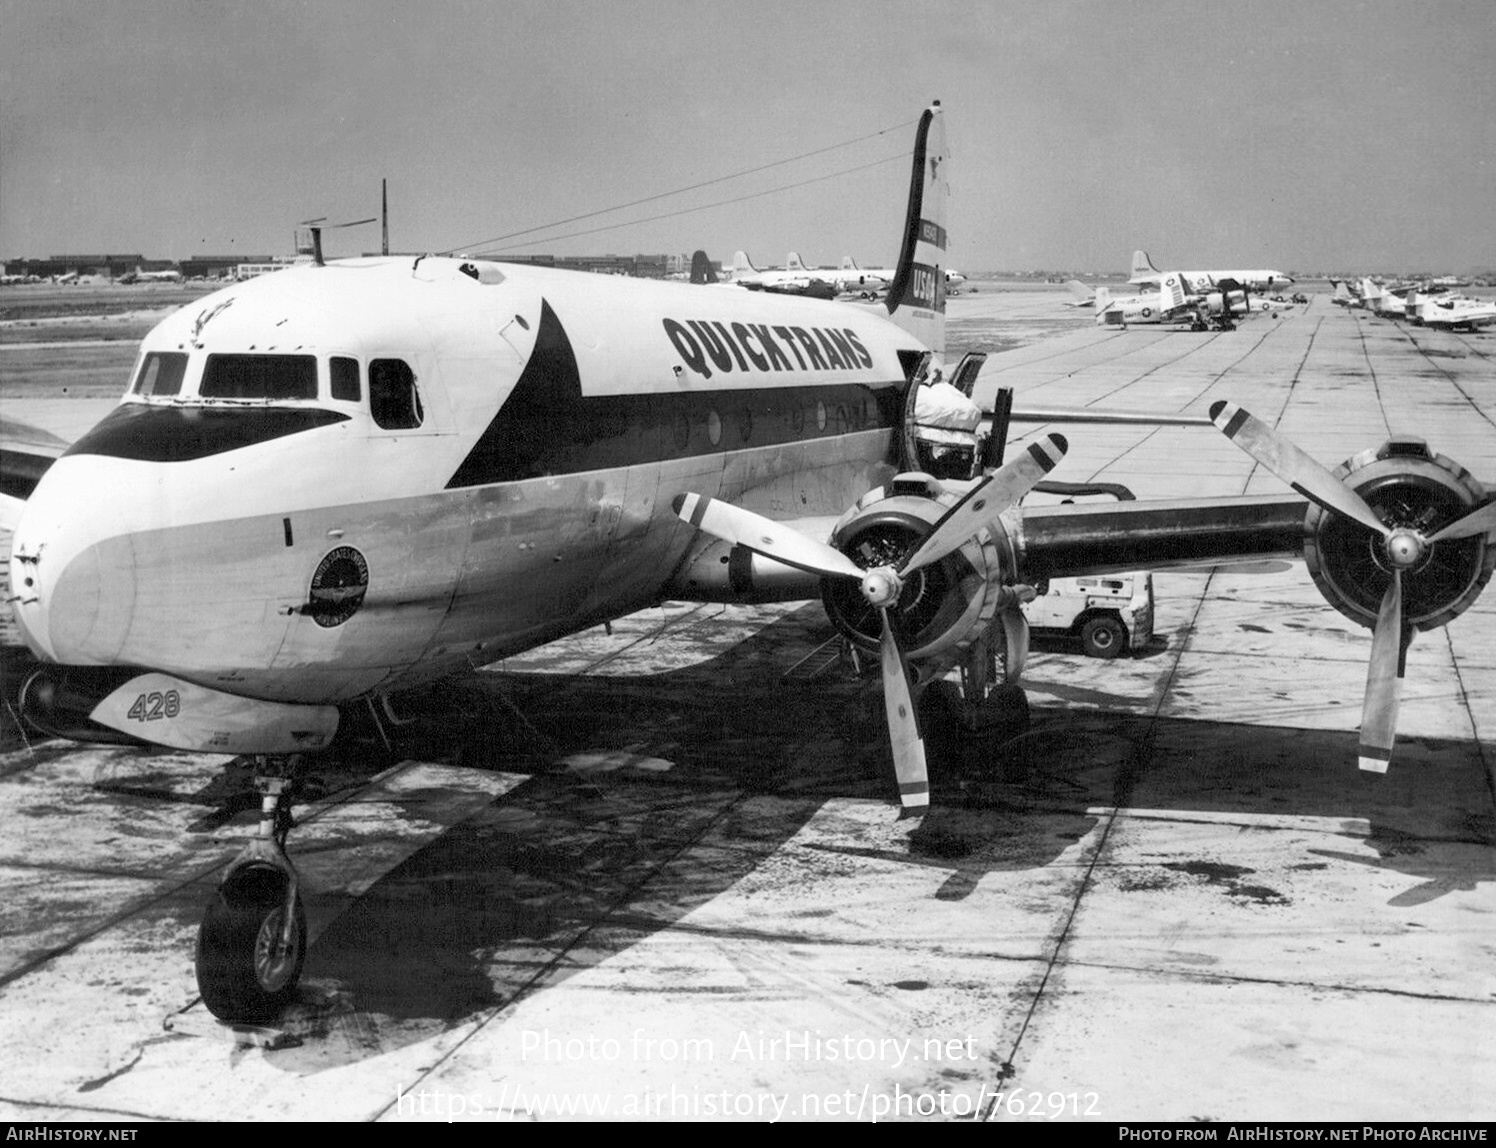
[764, 536]
[1292, 465]
[982, 505]
[903, 723]
[1383, 682]
[1481, 520]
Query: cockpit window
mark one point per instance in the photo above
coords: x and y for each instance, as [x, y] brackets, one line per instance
[344, 374]
[161, 374]
[393, 399]
[275, 377]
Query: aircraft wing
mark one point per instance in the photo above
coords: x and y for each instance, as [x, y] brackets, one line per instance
[26, 452]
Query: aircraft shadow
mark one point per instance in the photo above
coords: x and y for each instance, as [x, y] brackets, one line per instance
[583, 861]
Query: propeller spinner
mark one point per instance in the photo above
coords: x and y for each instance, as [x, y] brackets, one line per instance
[882, 585]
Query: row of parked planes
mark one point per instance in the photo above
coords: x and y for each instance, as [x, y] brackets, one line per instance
[1206, 299]
[1421, 303]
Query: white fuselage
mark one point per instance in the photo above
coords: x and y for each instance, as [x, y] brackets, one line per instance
[242, 532]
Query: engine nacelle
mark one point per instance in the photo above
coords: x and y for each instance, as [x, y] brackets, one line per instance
[944, 606]
[1408, 486]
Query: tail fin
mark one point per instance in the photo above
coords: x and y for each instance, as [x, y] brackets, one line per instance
[916, 298]
[701, 269]
[849, 264]
[1103, 299]
[792, 262]
[1079, 291]
[741, 263]
[1142, 266]
[1170, 295]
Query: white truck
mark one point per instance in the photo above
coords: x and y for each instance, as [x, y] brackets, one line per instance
[1108, 614]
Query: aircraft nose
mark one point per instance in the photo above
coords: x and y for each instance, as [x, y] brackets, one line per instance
[72, 567]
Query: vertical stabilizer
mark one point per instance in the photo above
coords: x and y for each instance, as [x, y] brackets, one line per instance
[849, 264]
[1142, 266]
[916, 300]
[742, 265]
[701, 269]
[792, 262]
[1170, 295]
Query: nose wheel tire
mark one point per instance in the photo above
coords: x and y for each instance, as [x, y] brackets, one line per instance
[245, 970]
[1103, 637]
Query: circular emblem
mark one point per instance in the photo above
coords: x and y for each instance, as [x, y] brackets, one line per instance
[1147, 311]
[338, 586]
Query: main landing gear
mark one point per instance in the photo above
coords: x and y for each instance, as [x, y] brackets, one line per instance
[252, 942]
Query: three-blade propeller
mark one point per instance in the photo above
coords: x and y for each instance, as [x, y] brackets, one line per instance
[1402, 549]
[881, 586]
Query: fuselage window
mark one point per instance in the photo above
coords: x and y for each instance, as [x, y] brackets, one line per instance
[273, 377]
[393, 400]
[161, 374]
[344, 374]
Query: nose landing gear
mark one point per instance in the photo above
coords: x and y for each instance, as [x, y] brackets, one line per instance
[252, 941]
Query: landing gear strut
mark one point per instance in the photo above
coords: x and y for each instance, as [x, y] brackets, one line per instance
[967, 725]
[252, 942]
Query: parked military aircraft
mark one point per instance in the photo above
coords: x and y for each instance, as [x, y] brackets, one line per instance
[793, 279]
[1198, 282]
[1165, 304]
[348, 479]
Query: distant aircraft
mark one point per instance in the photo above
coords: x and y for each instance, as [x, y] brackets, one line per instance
[867, 281]
[1166, 305]
[1449, 314]
[139, 276]
[794, 279]
[1198, 282]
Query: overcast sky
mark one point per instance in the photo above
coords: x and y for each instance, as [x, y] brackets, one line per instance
[1316, 134]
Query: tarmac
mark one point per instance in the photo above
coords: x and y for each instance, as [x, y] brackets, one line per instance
[680, 887]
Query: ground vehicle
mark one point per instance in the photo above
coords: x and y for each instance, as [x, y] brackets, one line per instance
[1109, 614]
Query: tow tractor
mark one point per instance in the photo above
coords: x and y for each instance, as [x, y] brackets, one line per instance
[1108, 614]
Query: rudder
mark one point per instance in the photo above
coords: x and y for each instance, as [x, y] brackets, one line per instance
[916, 299]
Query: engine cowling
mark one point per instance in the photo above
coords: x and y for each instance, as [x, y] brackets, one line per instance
[943, 607]
[1408, 486]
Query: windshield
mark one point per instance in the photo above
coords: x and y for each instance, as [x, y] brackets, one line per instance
[259, 377]
[161, 374]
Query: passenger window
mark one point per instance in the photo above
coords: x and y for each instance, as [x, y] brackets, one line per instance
[344, 374]
[393, 399]
[161, 374]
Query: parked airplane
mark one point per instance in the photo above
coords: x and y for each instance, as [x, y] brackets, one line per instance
[1167, 304]
[868, 281]
[793, 279]
[139, 276]
[1458, 313]
[1198, 282]
[331, 484]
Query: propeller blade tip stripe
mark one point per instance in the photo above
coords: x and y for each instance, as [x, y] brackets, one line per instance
[1234, 423]
[1041, 456]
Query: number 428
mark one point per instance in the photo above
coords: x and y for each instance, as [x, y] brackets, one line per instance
[154, 706]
